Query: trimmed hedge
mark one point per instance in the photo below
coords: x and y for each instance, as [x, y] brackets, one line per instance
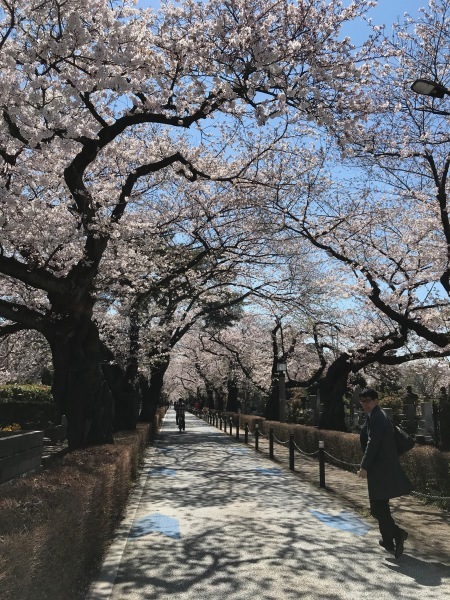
[63, 518]
[30, 406]
[426, 466]
[29, 415]
[32, 393]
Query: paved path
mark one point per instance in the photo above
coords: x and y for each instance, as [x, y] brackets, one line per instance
[212, 519]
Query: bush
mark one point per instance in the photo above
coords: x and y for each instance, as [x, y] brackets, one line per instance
[13, 427]
[63, 518]
[33, 393]
[394, 402]
[31, 406]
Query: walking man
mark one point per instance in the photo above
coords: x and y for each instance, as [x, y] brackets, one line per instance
[381, 467]
[181, 415]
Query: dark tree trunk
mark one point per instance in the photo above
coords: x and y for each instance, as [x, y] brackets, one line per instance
[232, 402]
[79, 386]
[151, 399]
[126, 396]
[209, 397]
[145, 399]
[272, 410]
[220, 403]
[332, 389]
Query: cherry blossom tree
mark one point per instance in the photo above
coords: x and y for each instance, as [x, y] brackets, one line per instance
[384, 221]
[24, 356]
[99, 101]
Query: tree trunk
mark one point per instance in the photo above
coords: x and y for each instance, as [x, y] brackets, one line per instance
[332, 389]
[220, 403]
[272, 410]
[79, 386]
[232, 402]
[209, 396]
[126, 396]
[152, 397]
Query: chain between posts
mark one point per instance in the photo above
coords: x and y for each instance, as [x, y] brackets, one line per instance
[306, 453]
[354, 465]
[279, 441]
[292, 444]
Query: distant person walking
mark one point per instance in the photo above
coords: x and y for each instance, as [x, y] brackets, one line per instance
[381, 467]
[180, 415]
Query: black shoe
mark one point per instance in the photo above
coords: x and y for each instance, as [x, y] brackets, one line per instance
[389, 546]
[400, 540]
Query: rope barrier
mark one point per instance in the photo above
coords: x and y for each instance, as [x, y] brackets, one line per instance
[305, 453]
[279, 441]
[354, 465]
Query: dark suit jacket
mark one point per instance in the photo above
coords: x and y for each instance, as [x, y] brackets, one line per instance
[385, 476]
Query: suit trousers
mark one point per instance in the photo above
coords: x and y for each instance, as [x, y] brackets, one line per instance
[381, 511]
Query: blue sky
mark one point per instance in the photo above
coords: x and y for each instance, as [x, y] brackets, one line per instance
[385, 13]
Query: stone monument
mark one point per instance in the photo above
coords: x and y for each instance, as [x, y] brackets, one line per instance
[409, 421]
[425, 430]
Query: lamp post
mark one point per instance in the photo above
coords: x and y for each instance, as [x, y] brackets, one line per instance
[427, 87]
[281, 368]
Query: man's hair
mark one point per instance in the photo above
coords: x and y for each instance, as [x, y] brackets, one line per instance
[369, 393]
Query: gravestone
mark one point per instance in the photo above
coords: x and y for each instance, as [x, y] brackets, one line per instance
[361, 418]
[355, 407]
[389, 412]
[315, 406]
[409, 421]
[426, 423]
[20, 452]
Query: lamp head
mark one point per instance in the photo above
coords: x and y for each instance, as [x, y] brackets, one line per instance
[426, 87]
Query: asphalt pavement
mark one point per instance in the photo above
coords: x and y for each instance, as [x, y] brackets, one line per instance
[210, 518]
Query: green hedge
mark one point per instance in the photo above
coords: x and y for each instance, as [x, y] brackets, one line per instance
[26, 393]
[28, 405]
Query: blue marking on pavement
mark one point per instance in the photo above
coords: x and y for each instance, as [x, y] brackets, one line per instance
[162, 471]
[156, 523]
[345, 521]
[269, 471]
[164, 450]
[238, 451]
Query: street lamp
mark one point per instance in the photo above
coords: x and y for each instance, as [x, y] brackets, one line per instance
[281, 368]
[426, 87]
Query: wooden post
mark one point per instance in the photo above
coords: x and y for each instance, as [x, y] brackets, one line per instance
[291, 452]
[271, 442]
[321, 464]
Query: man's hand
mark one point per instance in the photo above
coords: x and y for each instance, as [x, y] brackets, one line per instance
[362, 473]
